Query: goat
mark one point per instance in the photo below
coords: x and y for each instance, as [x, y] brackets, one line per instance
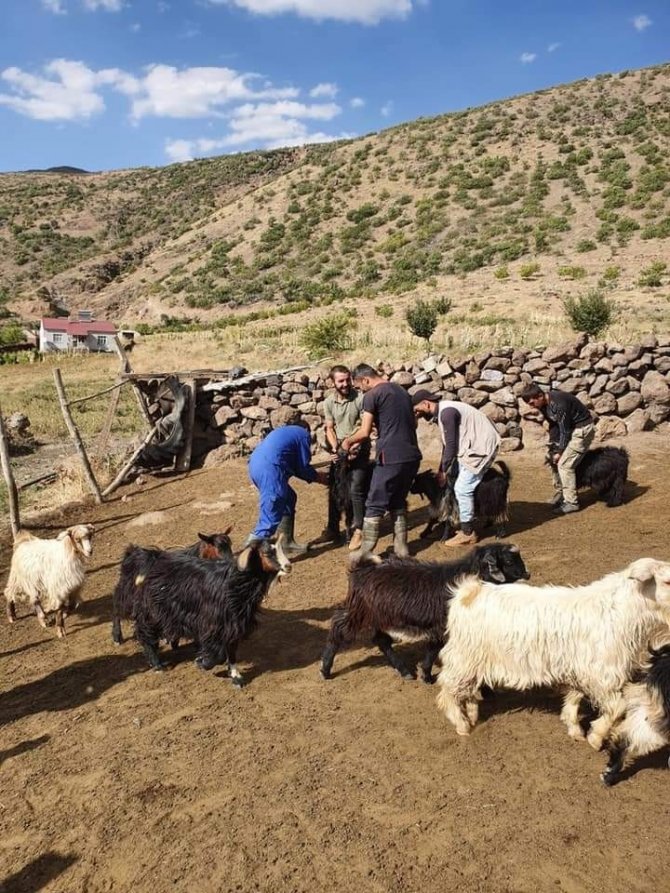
[214, 602]
[646, 725]
[491, 500]
[49, 573]
[340, 483]
[135, 563]
[604, 469]
[586, 639]
[408, 600]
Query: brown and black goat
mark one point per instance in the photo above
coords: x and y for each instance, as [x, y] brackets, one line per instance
[408, 600]
[136, 561]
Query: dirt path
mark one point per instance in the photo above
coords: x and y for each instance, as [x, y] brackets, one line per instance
[119, 779]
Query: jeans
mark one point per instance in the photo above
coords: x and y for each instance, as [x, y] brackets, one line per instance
[464, 490]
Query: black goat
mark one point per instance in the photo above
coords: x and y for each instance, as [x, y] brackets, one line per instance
[342, 472]
[646, 725]
[214, 602]
[136, 562]
[407, 599]
[491, 500]
[604, 469]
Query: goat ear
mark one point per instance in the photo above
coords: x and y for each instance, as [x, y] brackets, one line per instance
[228, 530]
[206, 539]
[643, 569]
[494, 572]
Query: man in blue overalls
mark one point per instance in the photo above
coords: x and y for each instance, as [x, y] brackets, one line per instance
[283, 454]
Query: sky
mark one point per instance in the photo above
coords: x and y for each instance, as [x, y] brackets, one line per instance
[108, 84]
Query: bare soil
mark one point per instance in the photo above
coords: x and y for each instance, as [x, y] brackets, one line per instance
[116, 778]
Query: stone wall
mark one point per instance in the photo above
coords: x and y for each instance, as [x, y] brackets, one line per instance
[626, 387]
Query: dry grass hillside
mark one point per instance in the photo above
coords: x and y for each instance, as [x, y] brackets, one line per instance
[504, 209]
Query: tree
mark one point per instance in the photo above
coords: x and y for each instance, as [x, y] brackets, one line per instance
[591, 312]
[422, 320]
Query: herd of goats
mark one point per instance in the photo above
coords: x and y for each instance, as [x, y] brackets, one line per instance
[608, 641]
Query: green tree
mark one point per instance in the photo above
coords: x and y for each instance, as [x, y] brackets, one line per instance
[591, 312]
[422, 320]
[332, 334]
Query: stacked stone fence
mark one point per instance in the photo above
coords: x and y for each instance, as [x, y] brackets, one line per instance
[626, 387]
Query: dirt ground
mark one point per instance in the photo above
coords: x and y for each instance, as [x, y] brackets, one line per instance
[116, 778]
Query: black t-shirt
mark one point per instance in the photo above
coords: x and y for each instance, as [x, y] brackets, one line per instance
[391, 407]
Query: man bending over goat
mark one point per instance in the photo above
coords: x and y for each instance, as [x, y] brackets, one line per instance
[468, 438]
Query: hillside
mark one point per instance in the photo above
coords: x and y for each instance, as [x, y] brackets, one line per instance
[574, 179]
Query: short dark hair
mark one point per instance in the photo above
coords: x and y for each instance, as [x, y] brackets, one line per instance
[530, 391]
[342, 370]
[364, 370]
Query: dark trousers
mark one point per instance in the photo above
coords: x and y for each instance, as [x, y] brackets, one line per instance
[389, 488]
[358, 477]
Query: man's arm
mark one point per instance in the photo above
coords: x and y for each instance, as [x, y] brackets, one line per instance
[363, 433]
[331, 436]
[450, 420]
[304, 469]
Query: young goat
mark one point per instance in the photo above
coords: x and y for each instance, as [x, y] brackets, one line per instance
[408, 600]
[136, 562]
[646, 725]
[49, 573]
[604, 469]
[585, 639]
[340, 483]
[491, 500]
[213, 602]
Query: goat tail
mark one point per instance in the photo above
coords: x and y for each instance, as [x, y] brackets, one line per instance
[504, 469]
[364, 559]
[466, 589]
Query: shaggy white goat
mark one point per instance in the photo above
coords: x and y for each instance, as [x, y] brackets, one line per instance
[587, 639]
[49, 573]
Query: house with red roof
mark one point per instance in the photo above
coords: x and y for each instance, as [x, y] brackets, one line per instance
[83, 333]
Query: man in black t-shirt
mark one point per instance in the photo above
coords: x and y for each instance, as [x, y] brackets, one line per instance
[388, 407]
[571, 432]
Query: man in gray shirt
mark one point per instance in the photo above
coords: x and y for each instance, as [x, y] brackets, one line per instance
[342, 412]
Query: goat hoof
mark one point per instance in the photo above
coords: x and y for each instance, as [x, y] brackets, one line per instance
[595, 740]
[608, 779]
[576, 733]
[237, 681]
[407, 674]
[159, 668]
[429, 678]
[325, 676]
[202, 664]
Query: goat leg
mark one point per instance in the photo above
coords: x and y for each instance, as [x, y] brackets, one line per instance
[338, 635]
[117, 634]
[233, 672]
[428, 529]
[148, 637]
[60, 623]
[614, 765]
[432, 650]
[11, 612]
[385, 644]
[41, 616]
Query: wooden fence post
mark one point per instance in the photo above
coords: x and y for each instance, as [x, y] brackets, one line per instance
[12, 493]
[183, 462]
[76, 437]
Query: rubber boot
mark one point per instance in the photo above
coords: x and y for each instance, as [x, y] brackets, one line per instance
[400, 534]
[369, 537]
[287, 528]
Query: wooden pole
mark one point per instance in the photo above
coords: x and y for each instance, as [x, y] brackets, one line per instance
[126, 368]
[183, 462]
[121, 476]
[12, 493]
[76, 437]
[113, 387]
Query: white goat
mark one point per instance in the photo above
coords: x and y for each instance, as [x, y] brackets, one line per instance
[586, 639]
[49, 573]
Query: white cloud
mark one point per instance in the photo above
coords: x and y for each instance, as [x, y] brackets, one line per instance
[180, 150]
[387, 108]
[325, 91]
[357, 102]
[67, 93]
[641, 22]
[54, 6]
[367, 12]
[527, 58]
[107, 5]
[553, 47]
[135, 27]
[168, 92]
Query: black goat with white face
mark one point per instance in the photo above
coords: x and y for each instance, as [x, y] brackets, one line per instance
[215, 603]
[136, 561]
[408, 600]
[491, 500]
[604, 469]
[646, 725]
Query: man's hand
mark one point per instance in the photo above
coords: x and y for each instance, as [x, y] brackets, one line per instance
[555, 458]
[441, 478]
[346, 446]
